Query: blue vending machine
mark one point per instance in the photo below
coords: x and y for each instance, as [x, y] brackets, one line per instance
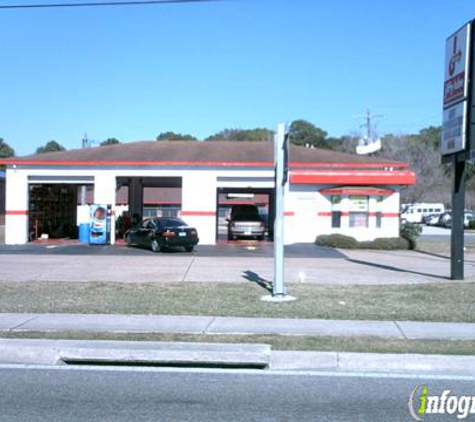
[100, 223]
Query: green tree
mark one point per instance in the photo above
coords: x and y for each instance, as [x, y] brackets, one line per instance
[6, 151]
[172, 136]
[51, 146]
[255, 135]
[305, 133]
[110, 141]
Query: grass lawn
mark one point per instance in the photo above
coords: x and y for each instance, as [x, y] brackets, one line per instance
[448, 302]
[321, 344]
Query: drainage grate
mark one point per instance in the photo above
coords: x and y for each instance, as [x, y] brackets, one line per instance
[160, 364]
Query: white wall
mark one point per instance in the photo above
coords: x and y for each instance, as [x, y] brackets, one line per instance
[198, 208]
[16, 207]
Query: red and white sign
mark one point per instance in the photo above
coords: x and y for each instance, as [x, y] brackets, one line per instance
[456, 66]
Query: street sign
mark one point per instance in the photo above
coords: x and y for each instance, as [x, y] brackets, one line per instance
[454, 128]
[456, 88]
[457, 129]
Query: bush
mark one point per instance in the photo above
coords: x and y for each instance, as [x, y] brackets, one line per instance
[386, 244]
[410, 232]
[471, 225]
[337, 241]
[348, 242]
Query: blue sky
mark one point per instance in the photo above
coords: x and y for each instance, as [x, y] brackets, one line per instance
[133, 72]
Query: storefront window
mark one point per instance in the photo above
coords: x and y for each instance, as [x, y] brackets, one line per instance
[358, 211]
[336, 211]
[379, 213]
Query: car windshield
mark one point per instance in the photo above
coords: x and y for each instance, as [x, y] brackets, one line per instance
[247, 216]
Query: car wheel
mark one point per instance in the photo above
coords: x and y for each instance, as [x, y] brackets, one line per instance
[155, 245]
[189, 248]
[128, 240]
[260, 238]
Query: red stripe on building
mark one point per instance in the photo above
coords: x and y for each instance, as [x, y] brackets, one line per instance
[362, 191]
[391, 214]
[289, 213]
[324, 214]
[16, 212]
[343, 177]
[198, 213]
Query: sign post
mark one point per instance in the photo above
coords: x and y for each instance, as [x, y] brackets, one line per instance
[457, 144]
[281, 157]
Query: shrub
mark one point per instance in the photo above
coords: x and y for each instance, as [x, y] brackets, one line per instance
[410, 232]
[386, 244]
[337, 241]
[348, 242]
[471, 225]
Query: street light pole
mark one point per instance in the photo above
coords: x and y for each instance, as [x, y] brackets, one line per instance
[281, 154]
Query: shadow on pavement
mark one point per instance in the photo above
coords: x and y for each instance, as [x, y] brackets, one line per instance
[396, 269]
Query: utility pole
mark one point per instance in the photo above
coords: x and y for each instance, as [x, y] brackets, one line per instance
[368, 125]
[85, 145]
[369, 144]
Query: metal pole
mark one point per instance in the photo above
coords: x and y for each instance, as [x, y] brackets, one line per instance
[278, 286]
[458, 210]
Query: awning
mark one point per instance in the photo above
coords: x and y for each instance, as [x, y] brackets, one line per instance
[353, 177]
[354, 190]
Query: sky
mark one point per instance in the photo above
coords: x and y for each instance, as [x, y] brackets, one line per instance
[132, 72]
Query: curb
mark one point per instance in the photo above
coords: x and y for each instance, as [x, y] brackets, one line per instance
[99, 352]
[374, 363]
[225, 356]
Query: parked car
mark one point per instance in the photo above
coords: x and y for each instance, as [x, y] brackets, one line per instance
[432, 219]
[467, 218]
[162, 232]
[245, 221]
[445, 219]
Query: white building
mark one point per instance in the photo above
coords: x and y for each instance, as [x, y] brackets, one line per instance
[328, 191]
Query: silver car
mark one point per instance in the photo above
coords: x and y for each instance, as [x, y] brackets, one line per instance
[245, 221]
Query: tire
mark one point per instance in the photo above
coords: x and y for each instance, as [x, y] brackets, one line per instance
[260, 238]
[128, 241]
[155, 245]
[189, 248]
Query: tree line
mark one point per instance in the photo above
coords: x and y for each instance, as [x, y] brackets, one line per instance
[420, 151]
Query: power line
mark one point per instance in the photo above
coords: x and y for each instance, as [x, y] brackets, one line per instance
[100, 3]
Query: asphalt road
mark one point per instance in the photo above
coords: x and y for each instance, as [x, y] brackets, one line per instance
[149, 394]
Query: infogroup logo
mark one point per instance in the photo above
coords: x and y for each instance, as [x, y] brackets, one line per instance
[421, 403]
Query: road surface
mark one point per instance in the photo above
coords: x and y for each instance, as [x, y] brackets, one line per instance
[152, 394]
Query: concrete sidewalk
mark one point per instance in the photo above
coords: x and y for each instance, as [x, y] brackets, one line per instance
[198, 325]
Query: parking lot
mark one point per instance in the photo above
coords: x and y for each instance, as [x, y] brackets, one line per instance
[304, 263]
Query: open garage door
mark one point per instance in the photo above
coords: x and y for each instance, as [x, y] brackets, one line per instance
[138, 198]
[236, 220]
[53, 210]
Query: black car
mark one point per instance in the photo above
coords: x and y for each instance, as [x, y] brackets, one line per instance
[163, 232]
